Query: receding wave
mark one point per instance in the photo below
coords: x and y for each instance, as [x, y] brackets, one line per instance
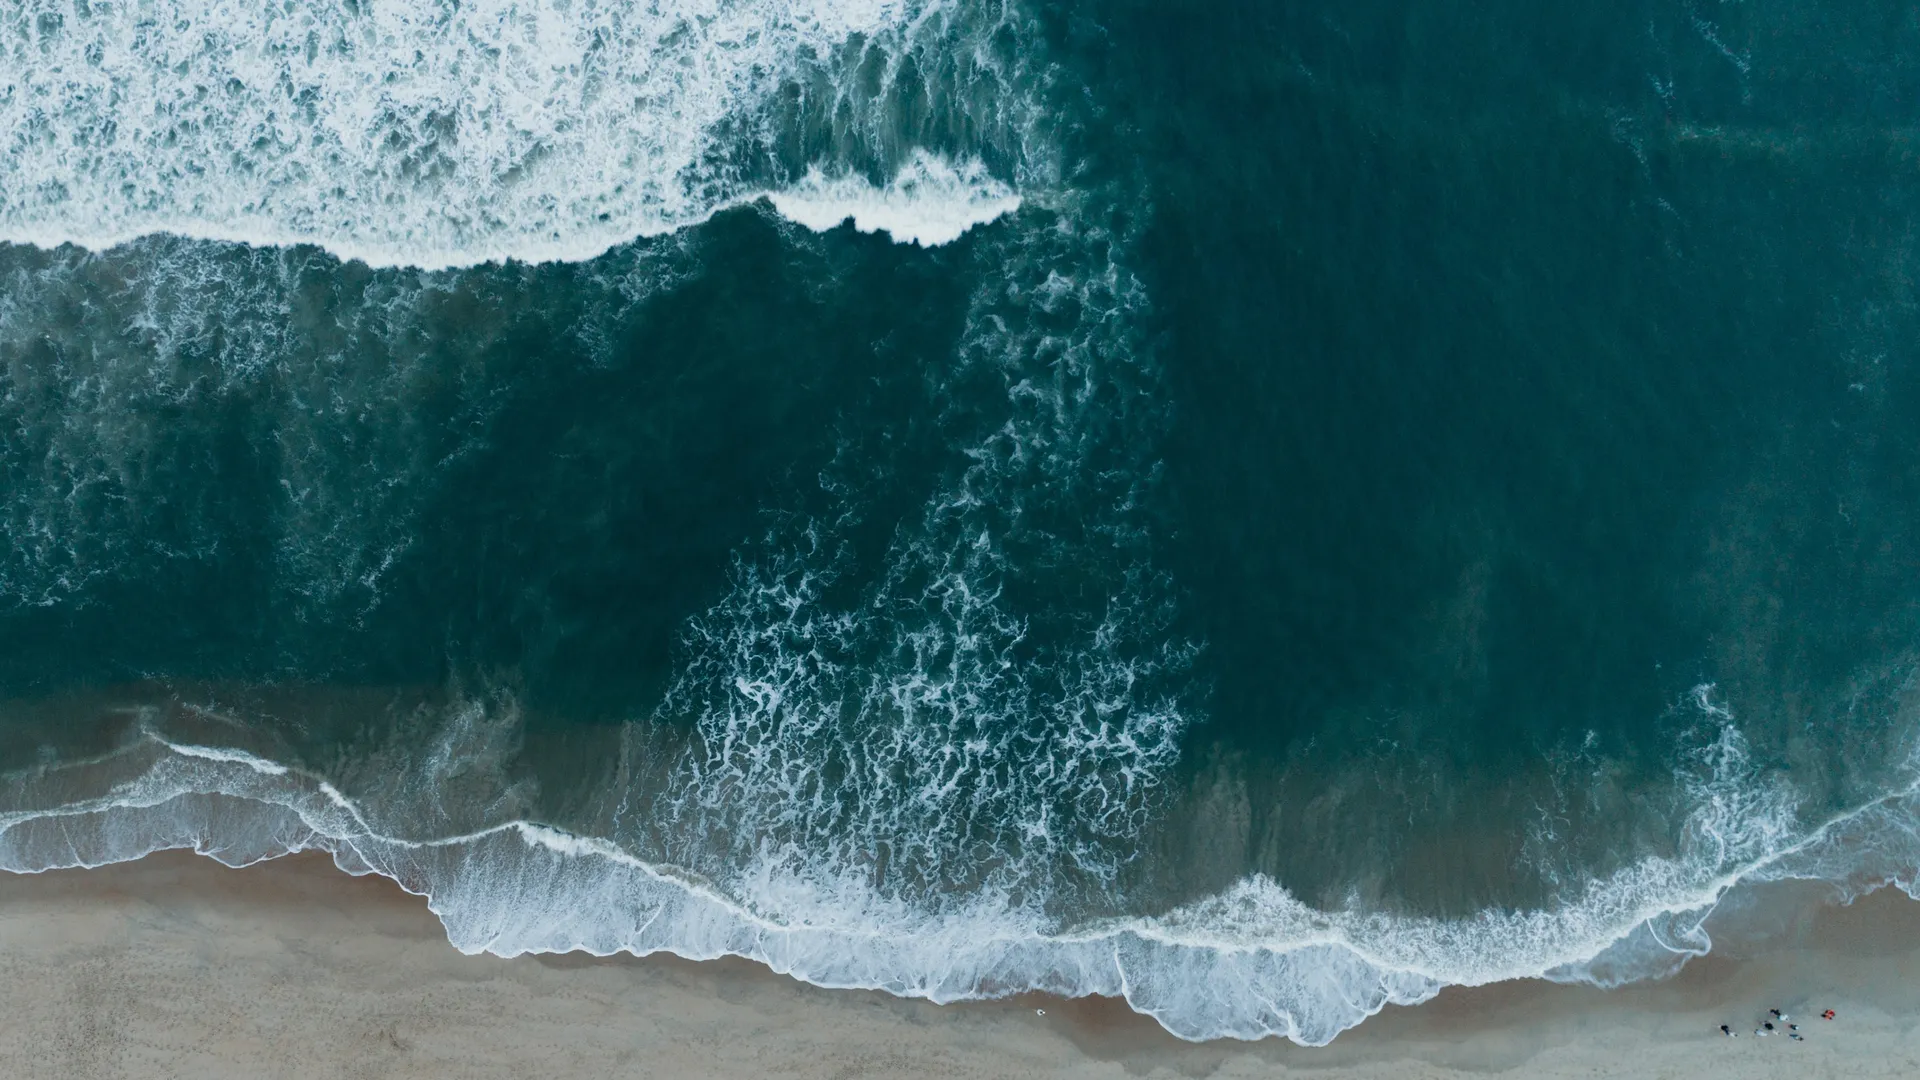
[1248, 963]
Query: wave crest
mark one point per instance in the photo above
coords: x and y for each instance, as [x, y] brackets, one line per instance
[929, 202]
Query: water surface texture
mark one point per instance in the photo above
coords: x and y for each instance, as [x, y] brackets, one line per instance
[1264, 509]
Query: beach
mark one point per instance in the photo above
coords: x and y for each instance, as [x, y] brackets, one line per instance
[1151, 540]
[177, 966]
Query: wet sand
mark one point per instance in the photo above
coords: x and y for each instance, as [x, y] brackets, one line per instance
[176, 966]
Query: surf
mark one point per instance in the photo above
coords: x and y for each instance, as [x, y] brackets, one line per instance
[438, 135]
[1249, 963]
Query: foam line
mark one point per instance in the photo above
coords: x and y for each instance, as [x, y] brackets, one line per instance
[1248, 963]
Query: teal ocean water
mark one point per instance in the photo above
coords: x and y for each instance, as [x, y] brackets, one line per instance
[1266, 510]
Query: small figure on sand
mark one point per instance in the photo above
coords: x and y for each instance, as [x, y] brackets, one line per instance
[1796, 1036]
[1769, 1026]
[1762, 1032]
[1828, 1015]
[1777, 1014]
[1728, 1032]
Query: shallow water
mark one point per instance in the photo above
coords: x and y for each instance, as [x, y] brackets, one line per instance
[1266, 510]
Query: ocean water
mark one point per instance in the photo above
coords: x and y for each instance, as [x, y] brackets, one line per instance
[1266, 510]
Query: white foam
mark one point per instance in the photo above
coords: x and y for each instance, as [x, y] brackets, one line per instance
[969, 757]
[1248, 963]
[968, 753]
[430, 133]
[928, 202]
[212, 753]
[450, 134]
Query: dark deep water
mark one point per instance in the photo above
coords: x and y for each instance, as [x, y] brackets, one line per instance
[1413, 494]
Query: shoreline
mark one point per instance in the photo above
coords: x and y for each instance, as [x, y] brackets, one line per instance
[175, 965]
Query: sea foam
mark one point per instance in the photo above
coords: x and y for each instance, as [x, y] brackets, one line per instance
[1248, 963]
[956, 742]
[929, 202]
[436, 134]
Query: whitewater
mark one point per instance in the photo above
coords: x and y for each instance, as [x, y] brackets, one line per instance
[432, 137]
[1248, 964]
[444, 135]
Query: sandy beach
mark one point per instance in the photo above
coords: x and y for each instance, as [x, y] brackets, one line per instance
[176, 966]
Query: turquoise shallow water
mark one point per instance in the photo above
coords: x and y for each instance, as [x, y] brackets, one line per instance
[1266, 510]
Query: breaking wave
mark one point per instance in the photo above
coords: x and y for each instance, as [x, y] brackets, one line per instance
[1248, 963]
[929, 773]
[436, 134]
[928, 202]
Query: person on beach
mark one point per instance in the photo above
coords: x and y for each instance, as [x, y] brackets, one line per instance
[1828, 1015]
[1728, 1032]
